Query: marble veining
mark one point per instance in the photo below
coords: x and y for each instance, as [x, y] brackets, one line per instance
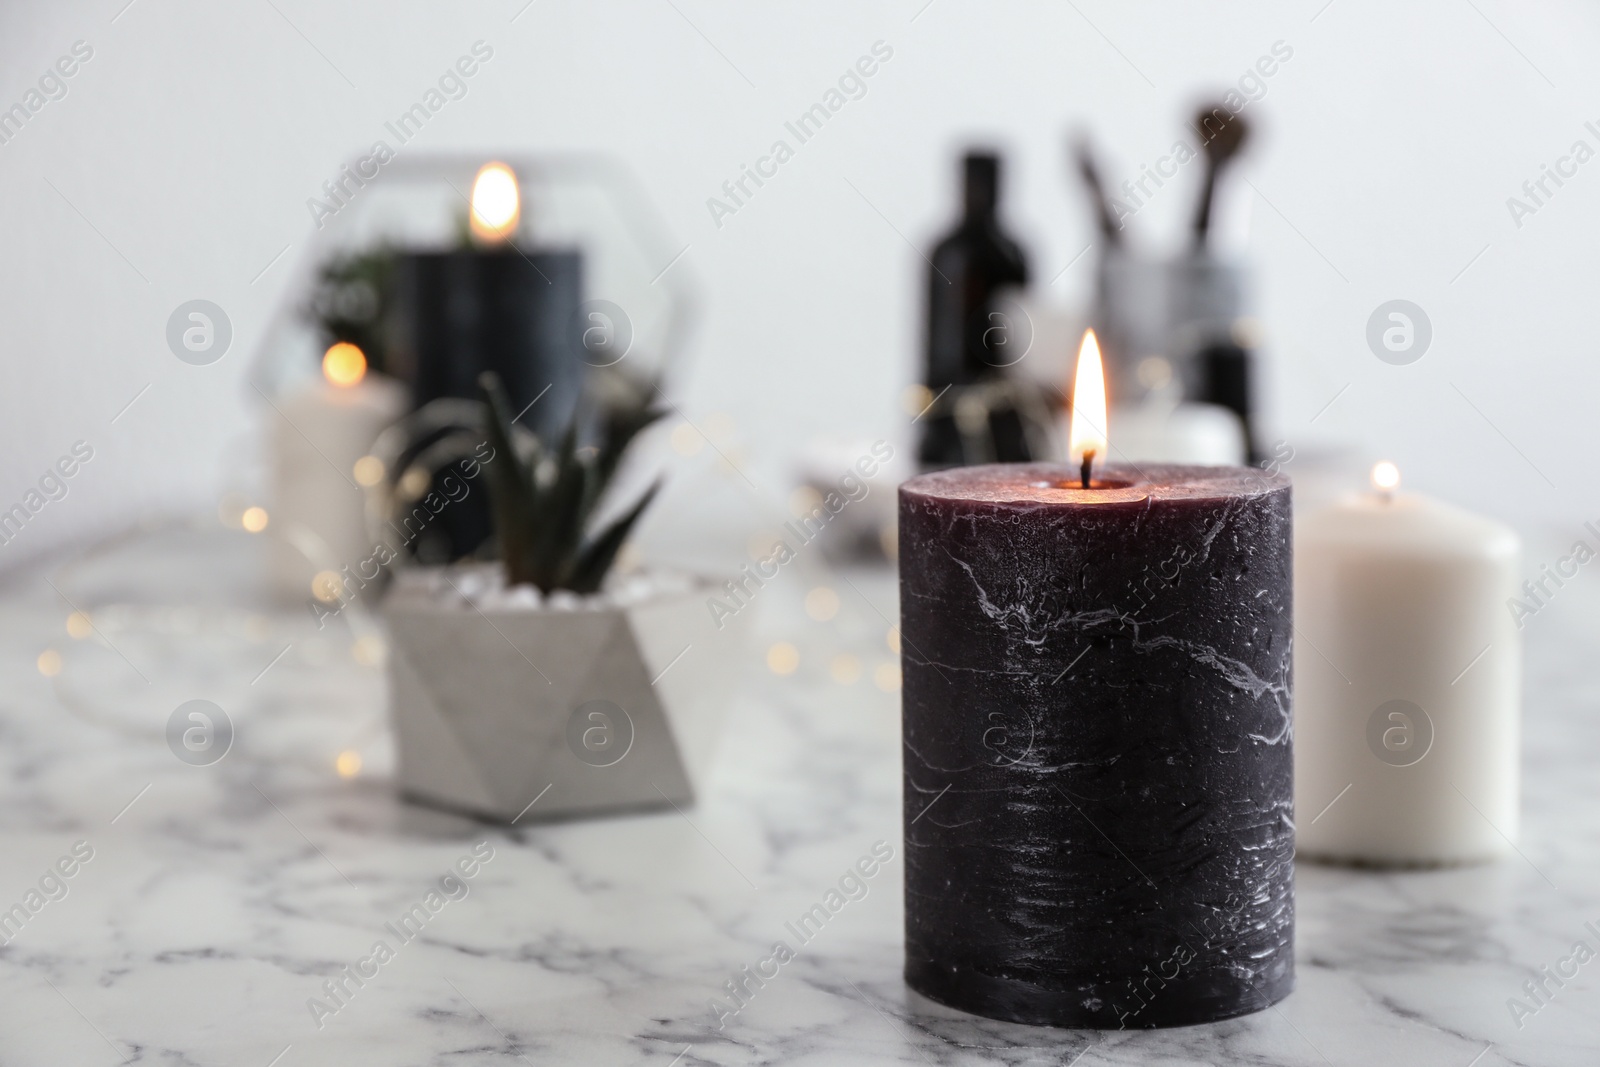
[222, 898]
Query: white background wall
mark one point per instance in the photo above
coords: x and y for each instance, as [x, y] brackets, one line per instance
[180, 161]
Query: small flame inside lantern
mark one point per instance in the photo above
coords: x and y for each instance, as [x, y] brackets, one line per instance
[496, 203]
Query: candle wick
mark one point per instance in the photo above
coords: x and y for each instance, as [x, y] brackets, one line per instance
[1083, 469]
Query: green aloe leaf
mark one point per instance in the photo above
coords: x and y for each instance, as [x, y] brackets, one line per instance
[599, 554]
[543, 502]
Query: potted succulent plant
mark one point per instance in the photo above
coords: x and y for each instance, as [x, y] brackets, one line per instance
[530, 686]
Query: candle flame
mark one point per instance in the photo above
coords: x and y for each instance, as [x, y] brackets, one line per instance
[344, 364]
[496, 203]
[1088, 428]
[1385, 477]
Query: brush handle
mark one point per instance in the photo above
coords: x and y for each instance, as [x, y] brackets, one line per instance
[1110, 228]
[1202, 213]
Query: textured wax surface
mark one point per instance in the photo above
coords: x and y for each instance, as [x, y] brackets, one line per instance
[1097, 743]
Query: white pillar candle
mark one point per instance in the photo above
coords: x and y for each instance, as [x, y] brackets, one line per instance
[1161, 431]
[1407, 675]
[319, 431]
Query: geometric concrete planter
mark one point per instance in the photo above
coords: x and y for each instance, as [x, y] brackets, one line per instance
[512, 710]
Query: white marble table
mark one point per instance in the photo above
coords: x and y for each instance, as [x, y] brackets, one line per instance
[219, 899]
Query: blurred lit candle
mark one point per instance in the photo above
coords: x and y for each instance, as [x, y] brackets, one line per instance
[321, 434]
[501, 301]
[1407, 675]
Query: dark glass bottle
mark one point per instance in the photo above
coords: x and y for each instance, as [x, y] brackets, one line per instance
[966, 337]
[1225, 372]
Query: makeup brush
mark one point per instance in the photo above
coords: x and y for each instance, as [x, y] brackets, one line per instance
[1110, 228]
[1222, 134]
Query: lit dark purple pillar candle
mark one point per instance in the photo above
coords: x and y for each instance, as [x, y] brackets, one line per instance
[1097, 743]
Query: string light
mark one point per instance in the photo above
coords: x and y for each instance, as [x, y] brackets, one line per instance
[783, 658]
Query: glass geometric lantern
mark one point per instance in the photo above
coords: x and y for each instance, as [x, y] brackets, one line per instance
[589, 285]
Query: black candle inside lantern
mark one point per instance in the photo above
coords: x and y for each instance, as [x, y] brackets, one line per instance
[504, 310]
[492, 306]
